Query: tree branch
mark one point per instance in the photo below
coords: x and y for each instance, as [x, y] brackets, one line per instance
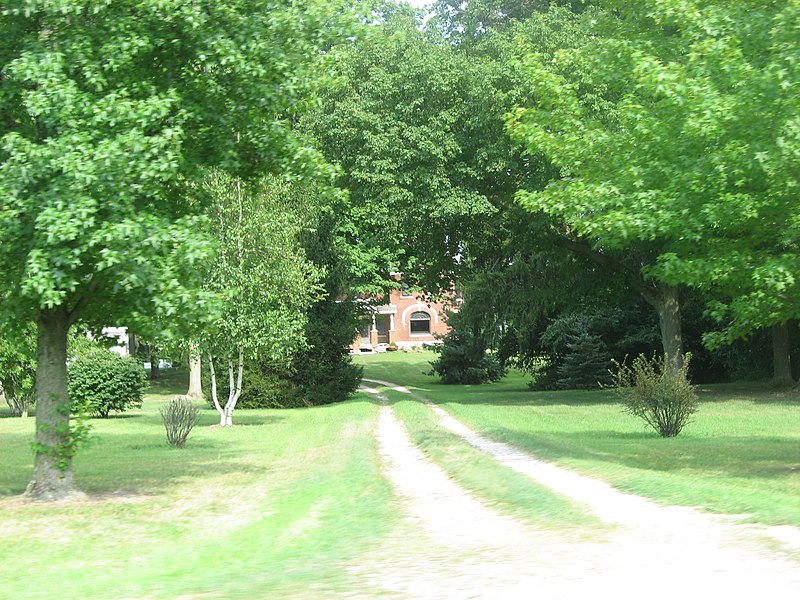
[80, 304]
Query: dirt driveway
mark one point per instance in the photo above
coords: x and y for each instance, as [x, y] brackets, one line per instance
[452, 546]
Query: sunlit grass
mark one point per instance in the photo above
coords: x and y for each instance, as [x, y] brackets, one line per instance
[288, 503]
[281, 502]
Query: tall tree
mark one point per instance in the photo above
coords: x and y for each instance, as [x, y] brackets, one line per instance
[417, 128]
[470, 22]
[675, 128]
[108, 111]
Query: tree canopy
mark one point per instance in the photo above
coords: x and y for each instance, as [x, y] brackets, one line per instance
[110, 112]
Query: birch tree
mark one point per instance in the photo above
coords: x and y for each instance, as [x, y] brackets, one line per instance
[267, 282]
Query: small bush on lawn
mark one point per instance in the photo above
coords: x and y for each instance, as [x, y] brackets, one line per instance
[463, 359]
[664, 400]
[101, 381]
[180, 416]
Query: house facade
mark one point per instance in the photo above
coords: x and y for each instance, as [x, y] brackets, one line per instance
[404, 320]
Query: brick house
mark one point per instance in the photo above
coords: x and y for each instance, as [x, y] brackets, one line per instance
[405, 319]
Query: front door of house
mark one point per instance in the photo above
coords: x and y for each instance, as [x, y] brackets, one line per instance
[382, 325]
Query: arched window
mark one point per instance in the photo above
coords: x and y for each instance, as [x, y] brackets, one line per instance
[420, 322]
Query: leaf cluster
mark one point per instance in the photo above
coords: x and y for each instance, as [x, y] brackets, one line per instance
[18, 369]
[674, 128]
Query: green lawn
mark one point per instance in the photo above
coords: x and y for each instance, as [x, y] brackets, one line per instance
[282, 502]
[292, 501]
[504, 489]
[740, 455]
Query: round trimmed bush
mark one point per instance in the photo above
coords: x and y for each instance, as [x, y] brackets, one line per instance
[101, 381]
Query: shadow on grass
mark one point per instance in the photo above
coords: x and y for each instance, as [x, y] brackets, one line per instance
[140, 462]
[497, 395]
[760, 458]
[756, 392]
[410, 371]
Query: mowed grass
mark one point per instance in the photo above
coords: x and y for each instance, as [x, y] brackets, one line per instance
[277, 506]
[287, 503]
[740, 455]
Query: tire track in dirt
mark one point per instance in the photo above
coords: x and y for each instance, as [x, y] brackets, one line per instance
[659, 550]
[451, 545]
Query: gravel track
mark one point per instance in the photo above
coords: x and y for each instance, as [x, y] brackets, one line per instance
[453, 546]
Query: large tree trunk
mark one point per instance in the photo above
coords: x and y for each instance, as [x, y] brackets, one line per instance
[666, 301]
[133, 344]
[195, 374]
[52, 476]
[781, 357]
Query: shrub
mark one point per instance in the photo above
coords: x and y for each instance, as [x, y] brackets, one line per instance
[19, 400]
[18, 370]
[315, 378]
[663, 399]
[180, 416]
[263, 386]
[463, 359]
[586, 364]
[101, 381]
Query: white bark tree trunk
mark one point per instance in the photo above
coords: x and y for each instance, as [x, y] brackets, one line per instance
[195, 373]
[235, 375]
[214, 397]
[236, 390]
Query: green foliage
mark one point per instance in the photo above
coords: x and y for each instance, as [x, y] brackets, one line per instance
[264, 385]
[18, 369]
[101, 381]
[586, 364]
[268, 281]
[324, 372]
[321, 372]
[417, 129]
[180, 415]
[112, 113]
[472, 22]
[576, 348]
[306, 361]
[674, 127]
[73, 436]
[665, 400]
[259, 267]
[463, 359]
